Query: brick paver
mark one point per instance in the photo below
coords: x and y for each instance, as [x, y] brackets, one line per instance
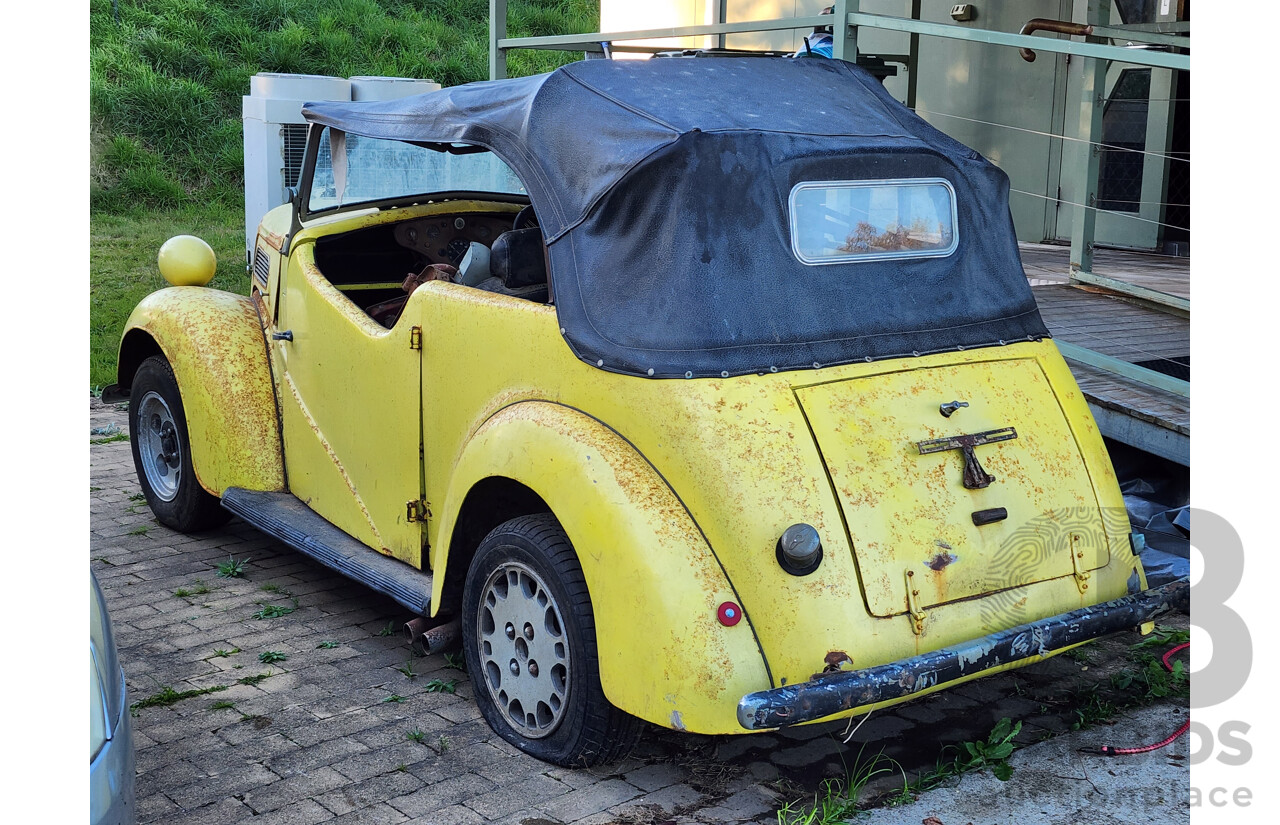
[337, 733]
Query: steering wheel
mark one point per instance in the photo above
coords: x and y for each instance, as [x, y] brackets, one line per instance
[525, 218]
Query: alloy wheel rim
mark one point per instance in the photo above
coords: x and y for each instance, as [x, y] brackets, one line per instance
[159, 448]
[524, 650]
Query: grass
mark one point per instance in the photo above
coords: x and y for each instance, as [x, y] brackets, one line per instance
[232, 568]
[389, 630]
[222, 654]
[416, 735]
[111, 439]
[456, 661]
[223, 706]
[140, 530]
[165, 88]
[167, 696]
[836, 800]
[407, 670]
[122, 265]
[197, 589]
[839, 801]
[395, 697]
[253, 680]
[330, 645]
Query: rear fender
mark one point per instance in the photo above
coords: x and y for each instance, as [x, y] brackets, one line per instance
[655, 585]
[214, 342]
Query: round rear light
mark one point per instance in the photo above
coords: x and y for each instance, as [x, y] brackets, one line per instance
[729, 614]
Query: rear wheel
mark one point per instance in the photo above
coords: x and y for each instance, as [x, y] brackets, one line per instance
[529, 642]
[162, 452]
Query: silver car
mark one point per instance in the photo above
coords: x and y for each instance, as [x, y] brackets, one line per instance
[111, 765]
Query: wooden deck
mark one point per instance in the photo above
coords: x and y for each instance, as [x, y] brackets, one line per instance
[1129, 411]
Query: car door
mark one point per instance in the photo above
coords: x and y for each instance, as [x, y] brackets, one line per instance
[350, 397]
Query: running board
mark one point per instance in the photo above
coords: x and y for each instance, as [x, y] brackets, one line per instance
[285, 517]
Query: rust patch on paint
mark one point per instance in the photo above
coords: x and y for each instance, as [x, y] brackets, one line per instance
[940, 561]
[834, 661]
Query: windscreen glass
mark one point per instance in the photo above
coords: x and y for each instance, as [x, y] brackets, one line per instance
[351, 170]
[842, 221]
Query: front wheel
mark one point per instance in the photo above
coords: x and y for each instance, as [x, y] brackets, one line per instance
[530, 647]
[162, 452]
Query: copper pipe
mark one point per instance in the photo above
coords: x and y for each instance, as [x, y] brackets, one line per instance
[1044, 24]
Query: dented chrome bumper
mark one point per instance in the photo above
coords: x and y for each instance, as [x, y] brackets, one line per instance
[840, 691]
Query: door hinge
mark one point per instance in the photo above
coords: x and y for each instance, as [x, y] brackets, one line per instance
[417, 510]
[913, 607]
[1077, 562]
[415, 338]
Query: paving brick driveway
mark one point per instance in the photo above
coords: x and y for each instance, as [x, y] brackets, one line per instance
[340, 732]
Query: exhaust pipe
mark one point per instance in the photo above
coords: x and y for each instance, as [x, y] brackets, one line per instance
[442, 637]
[427, 637]
[414, 628]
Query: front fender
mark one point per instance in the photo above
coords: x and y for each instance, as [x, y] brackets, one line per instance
[655, 584]
[213, 340]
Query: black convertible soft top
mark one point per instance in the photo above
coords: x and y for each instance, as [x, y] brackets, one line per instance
[662, 190]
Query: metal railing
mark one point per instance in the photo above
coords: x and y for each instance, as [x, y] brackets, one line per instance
[1151, 45]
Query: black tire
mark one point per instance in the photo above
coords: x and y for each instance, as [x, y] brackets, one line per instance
[162, 452]
[586, 730]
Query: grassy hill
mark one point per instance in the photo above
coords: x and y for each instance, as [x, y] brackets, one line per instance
[166, 79]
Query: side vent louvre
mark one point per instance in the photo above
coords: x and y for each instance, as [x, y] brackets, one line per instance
[261, 267]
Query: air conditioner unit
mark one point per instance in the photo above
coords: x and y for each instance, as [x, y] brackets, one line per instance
[275, 133]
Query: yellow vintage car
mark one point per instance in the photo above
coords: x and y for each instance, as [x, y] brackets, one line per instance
[709, 393]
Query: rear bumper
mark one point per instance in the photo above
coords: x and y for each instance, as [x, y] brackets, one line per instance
[841, 691]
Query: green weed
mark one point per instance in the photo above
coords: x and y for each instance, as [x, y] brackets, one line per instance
[441, 686]
[443, 744]
[222, 654]
[456, 661]
[253, 680]
[389, 630]
[111, 439]
[140, 530]
[222, 706]
[232, 568]
[395, 698]
[1162, 637]
[326, 645]
[269, 657]
[167, 696]
[197, 589]
[992, 753]
[416, 735]
[272, 611]
[407, 670]
[837, 801]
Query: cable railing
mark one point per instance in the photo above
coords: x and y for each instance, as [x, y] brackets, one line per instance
[1158, 46]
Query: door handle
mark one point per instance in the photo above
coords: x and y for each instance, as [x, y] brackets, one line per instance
[287, 335]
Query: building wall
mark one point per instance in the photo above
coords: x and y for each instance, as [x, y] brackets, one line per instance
[986, 96]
